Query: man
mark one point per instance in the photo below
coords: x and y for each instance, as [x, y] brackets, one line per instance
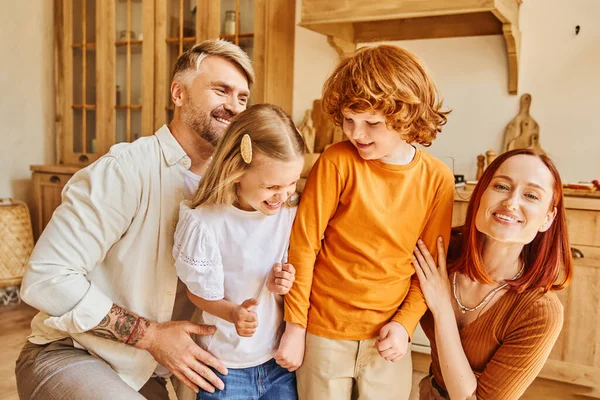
[102, 273]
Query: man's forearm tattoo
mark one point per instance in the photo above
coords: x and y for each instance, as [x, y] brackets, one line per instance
[121, 325]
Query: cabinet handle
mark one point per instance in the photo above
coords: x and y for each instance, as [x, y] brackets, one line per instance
[54, 179]
[576, 253]
[83, 158]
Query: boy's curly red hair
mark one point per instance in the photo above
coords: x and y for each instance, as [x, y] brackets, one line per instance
[390, 80]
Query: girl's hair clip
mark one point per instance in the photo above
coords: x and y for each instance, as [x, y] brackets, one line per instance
[246, 148]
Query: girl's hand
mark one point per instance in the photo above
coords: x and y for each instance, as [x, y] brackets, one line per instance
[434, 280]
[281, 278]
[244, 319]
[291, 348]
[392, 344]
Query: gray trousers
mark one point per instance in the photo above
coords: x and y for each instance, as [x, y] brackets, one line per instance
[58, 371]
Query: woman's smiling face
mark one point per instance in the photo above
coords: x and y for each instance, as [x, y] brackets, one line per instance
[516, 205]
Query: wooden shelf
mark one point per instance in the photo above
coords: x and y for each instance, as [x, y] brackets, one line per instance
[88, 46]
[125, 42]
[122, 50]
[175, 40]
[129, 107]
[348, 22]
[82, 106]
[56, 168]
[240, 36]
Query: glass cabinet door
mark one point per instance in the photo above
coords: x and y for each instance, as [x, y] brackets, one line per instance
[133, 69]
[175, 34]
[115, 62]
[80, 142]
[237, 23]
[105, 75]
[187, 22]
[237, 26]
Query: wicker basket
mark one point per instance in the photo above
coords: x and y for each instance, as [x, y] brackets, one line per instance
[16, 241]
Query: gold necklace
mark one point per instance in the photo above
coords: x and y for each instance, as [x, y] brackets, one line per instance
[488, 297]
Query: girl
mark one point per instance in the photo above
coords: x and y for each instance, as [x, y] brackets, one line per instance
[494, 316]
[236, 228]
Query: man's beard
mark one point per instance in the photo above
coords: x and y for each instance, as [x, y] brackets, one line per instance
[201, 122]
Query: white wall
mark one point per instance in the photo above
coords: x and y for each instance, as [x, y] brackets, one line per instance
[313, 60]
[26, 93]
[559, 69]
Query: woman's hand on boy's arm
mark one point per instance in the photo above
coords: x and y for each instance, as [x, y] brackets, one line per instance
[392, 344]
[291, 347]
[281, 278]
[433, 277]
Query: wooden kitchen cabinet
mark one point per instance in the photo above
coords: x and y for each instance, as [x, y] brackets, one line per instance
[114, 61]
[575, 358]
[265, 29]
[48, 182]
[105, 75]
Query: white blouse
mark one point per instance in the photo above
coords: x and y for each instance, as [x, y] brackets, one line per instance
[227, 253]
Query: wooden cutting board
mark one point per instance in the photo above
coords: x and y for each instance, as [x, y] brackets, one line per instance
[523, 131]
[326, 132]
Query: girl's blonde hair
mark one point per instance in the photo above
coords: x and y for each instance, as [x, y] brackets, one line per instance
[272, 133]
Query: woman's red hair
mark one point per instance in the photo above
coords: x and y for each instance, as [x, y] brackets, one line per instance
[547, 259]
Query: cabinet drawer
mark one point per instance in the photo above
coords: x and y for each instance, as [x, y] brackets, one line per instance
[584, 227]
[52, 179]
[586, 255]
[47, 188]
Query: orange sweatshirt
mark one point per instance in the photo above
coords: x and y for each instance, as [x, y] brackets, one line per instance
[508, 344]
[353, 239]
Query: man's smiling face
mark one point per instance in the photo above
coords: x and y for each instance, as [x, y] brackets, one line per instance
[217, 93]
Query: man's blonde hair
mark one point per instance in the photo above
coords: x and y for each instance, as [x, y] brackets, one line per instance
[390, 80]
[272, 133]
[189, 61]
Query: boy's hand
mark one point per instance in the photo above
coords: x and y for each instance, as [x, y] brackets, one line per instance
[281, 278]
[392, 344]
[244, 319]
[291, 348]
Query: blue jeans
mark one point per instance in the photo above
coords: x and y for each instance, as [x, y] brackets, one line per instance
[267, 381]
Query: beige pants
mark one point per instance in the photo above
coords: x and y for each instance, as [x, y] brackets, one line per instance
[350, 369]
[59, 371]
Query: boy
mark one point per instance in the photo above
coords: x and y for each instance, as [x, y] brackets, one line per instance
[356, 299]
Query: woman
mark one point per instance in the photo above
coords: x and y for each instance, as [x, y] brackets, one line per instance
[493, 317]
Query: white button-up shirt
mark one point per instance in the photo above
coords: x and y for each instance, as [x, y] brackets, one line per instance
[110, 241]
